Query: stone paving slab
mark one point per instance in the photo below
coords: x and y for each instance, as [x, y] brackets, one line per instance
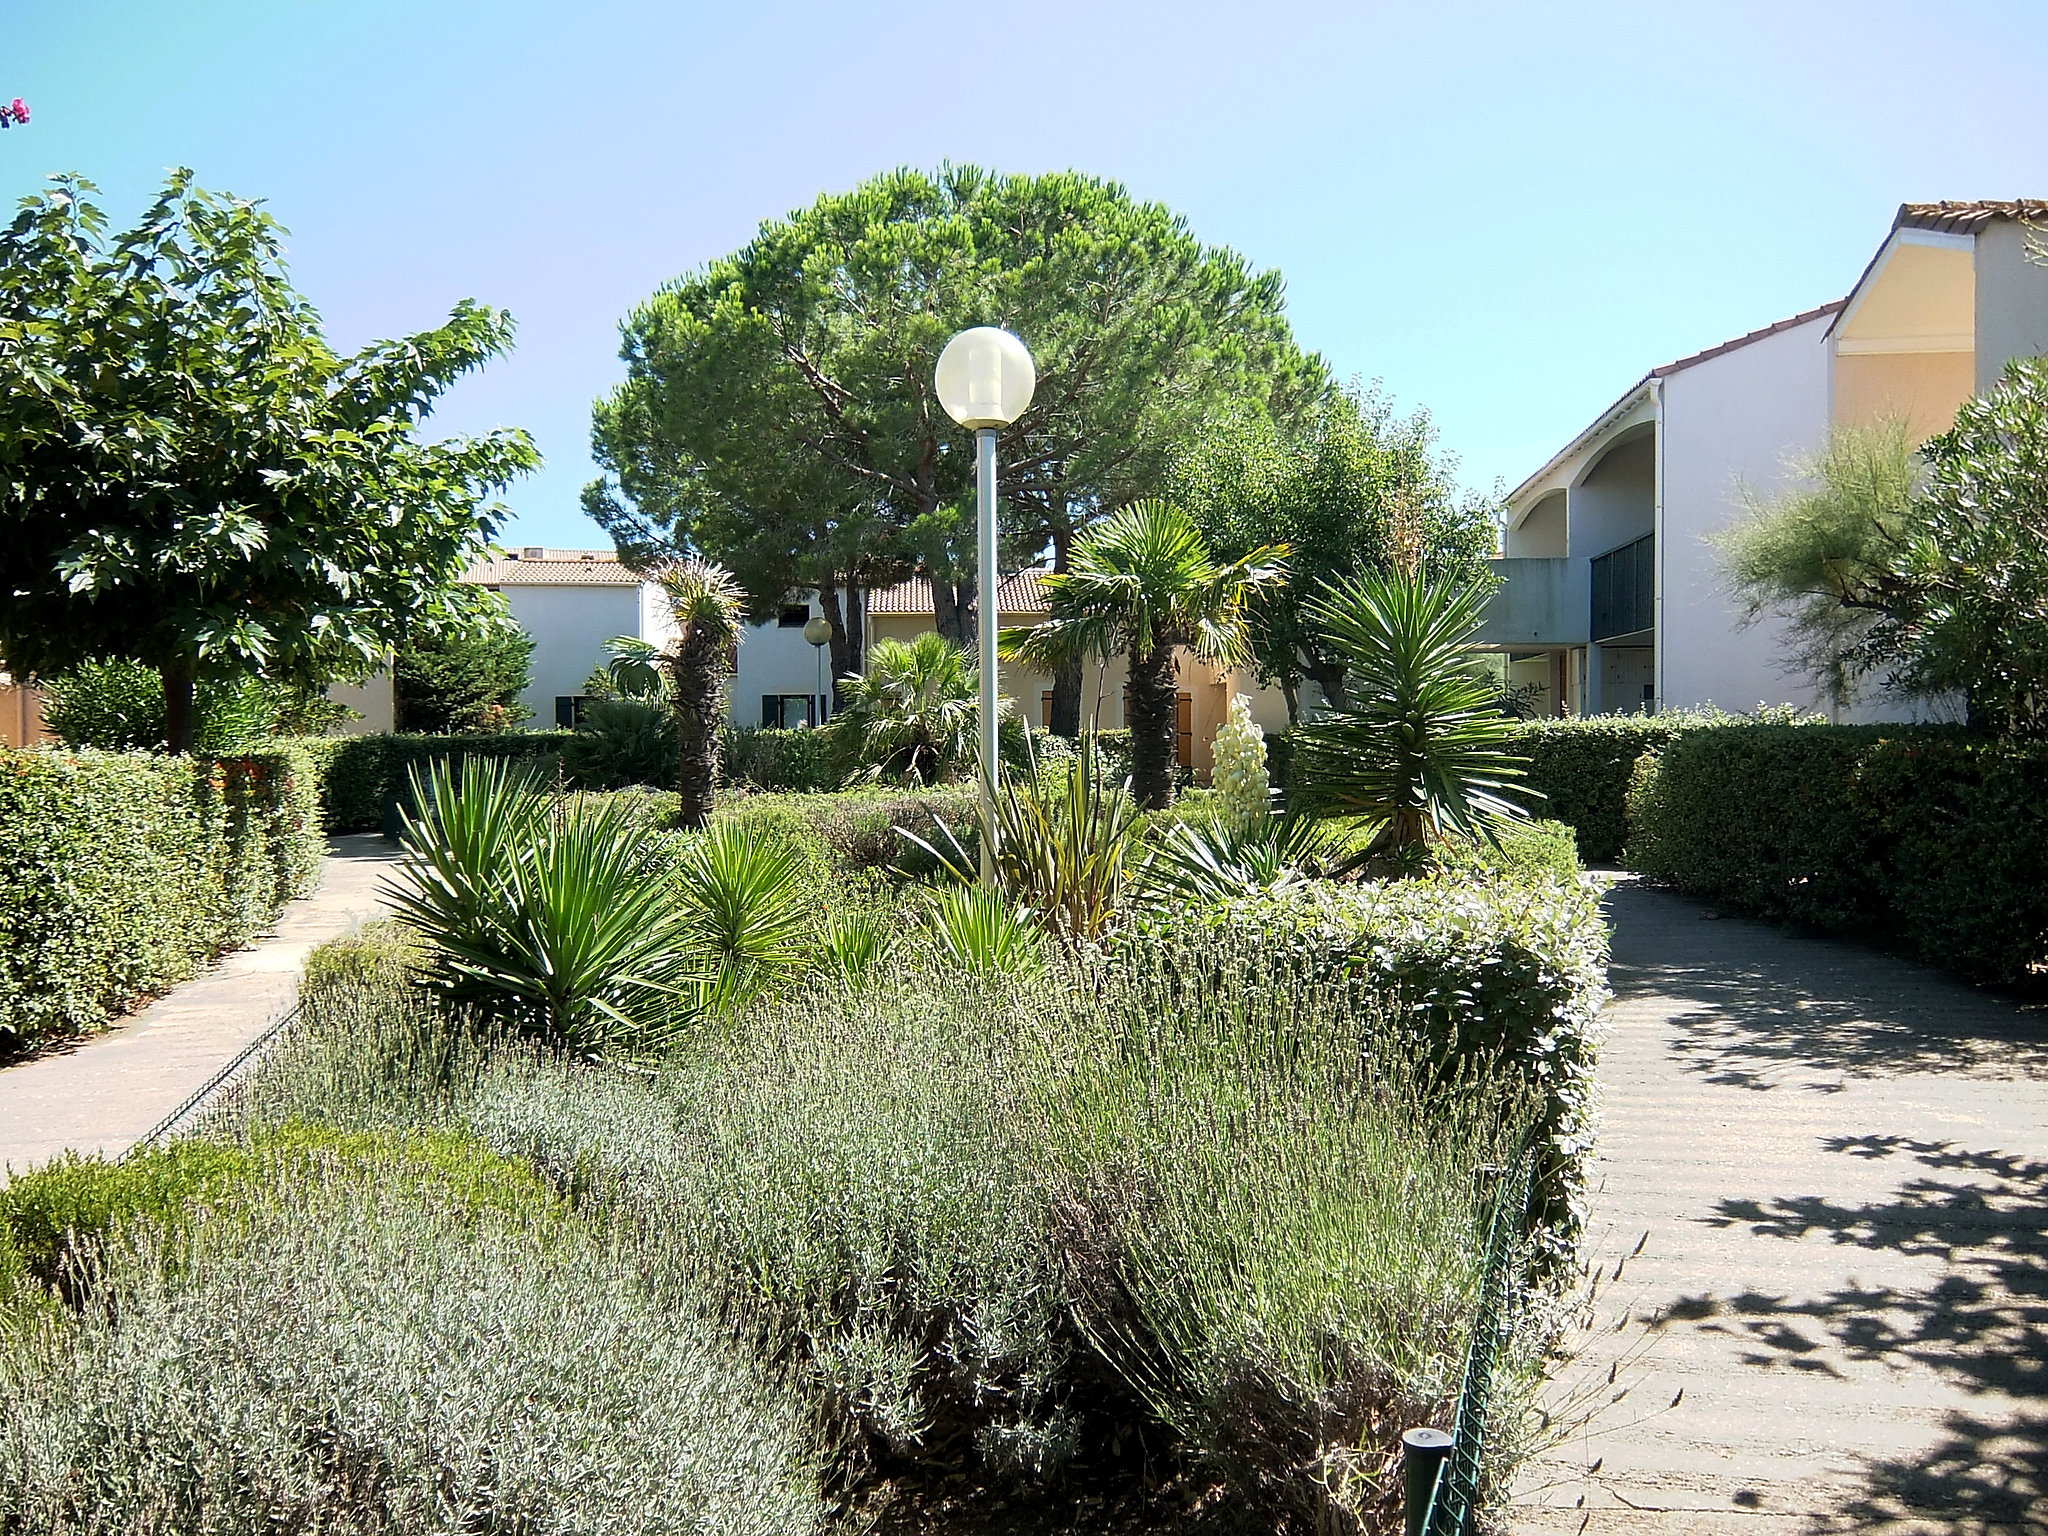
[110, 1090]
[1821, 1223]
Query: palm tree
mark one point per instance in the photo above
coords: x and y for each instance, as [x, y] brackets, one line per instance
[913, 715]
[1144, 583]
[1417, 745]
[709, 610]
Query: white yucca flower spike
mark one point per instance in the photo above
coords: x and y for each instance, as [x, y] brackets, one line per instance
[1239, 774]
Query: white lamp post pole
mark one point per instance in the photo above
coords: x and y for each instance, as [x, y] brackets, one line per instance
[988, 607]
[985, 378]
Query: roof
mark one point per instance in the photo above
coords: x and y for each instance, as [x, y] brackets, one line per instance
[1021, 593]
[553, 568]
[1968, 218]
[1665, 372]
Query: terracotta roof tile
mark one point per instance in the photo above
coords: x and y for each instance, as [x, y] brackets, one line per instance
[1020, 594]
[1744, 340]
[1968, 218]
[556, 568]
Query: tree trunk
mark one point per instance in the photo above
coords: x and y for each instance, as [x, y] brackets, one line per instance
[698, 682]
[953, 612]
[845, 644]
[1292, 691]
[179, 722]
[1155, 727]
[1328, 676]
[1066, 677]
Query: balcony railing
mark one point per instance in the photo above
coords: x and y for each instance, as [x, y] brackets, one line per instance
[1625, 589]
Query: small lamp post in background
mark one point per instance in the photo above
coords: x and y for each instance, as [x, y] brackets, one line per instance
[985, 379]
[819, 632]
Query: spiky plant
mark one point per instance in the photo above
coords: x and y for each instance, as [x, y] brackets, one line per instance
[913, 715]
[709, 611]
[1144, 583]
[1418, 747]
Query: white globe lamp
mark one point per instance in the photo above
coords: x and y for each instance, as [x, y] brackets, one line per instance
[984, 379]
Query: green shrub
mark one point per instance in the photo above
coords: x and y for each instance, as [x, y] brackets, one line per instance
[354, 1353]
[1924, 839]
[118, 706]
[1509, 973]
[1581, 768]
[1527, 851]
[360, 775]
[856, 829]
[621, 742]
[119, 874]
[778, 761]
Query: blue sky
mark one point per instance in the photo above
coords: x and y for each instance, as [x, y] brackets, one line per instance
[1506, 212]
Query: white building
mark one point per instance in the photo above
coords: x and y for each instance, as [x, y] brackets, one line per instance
[1612, 600]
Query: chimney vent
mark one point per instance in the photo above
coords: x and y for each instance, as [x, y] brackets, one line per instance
[533, 552]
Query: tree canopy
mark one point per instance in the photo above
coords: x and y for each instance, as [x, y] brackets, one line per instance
[1926, 569]
[779, 415]
[1347, 486]
[191, 478]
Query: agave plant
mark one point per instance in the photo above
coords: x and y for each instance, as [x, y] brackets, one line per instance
[1144, 582]
[1418, 747]
[1065, 853]
[557, 921]
[914, 714]
[1233, 855]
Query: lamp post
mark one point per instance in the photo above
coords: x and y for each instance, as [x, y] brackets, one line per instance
[818, 630]
[984, 380]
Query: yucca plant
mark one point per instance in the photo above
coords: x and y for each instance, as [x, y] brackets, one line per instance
[557, 921]
[1144, 583]
[619, 742]
[1418, 747]
[914, 714]
[979, 930]
[744, 908]
[709, 611]
[1231, 855]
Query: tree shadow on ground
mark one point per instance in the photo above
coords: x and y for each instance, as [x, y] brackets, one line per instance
[1983, 1324]
[1777, 1009]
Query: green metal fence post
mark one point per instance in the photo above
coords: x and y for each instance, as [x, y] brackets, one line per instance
[1423, 1454]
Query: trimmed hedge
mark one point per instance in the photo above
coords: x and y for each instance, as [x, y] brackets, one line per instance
[1507, 971]
[796, 761]
[358, 774]
[1581, 767]
[1924, 839]
[120, 873]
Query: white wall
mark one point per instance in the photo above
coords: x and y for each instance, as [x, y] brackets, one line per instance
[1729, 421]
[776, 660]
[372, 700]
[570, 627]
[1614, 505]
[2012, 300]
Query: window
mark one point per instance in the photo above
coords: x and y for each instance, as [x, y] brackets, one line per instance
[569, 709]
[795, 616]
[783, 711]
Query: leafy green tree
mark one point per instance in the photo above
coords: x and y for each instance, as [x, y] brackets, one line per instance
[465, 674]
[1143, 583]
[1344, 486]
[1927, 568]
[778, 413]
[118, 706]
[1980, 559]
[1417, 746]
[1831, 555]
[191, 478]
[913, 715]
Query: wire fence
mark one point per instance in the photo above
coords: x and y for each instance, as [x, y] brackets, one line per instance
[202, 1098]
[1444, 1499]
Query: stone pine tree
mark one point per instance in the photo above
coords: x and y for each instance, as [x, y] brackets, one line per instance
[778, 413]
[192, 478]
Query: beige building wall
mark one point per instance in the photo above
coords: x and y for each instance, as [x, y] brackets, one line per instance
[2012, 299]
[21, 714]
[1923, 388]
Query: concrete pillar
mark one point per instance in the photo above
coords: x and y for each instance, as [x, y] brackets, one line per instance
[1591, 702]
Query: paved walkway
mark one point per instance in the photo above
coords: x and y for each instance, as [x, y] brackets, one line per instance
[1836, 1167]
[110, 1090]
